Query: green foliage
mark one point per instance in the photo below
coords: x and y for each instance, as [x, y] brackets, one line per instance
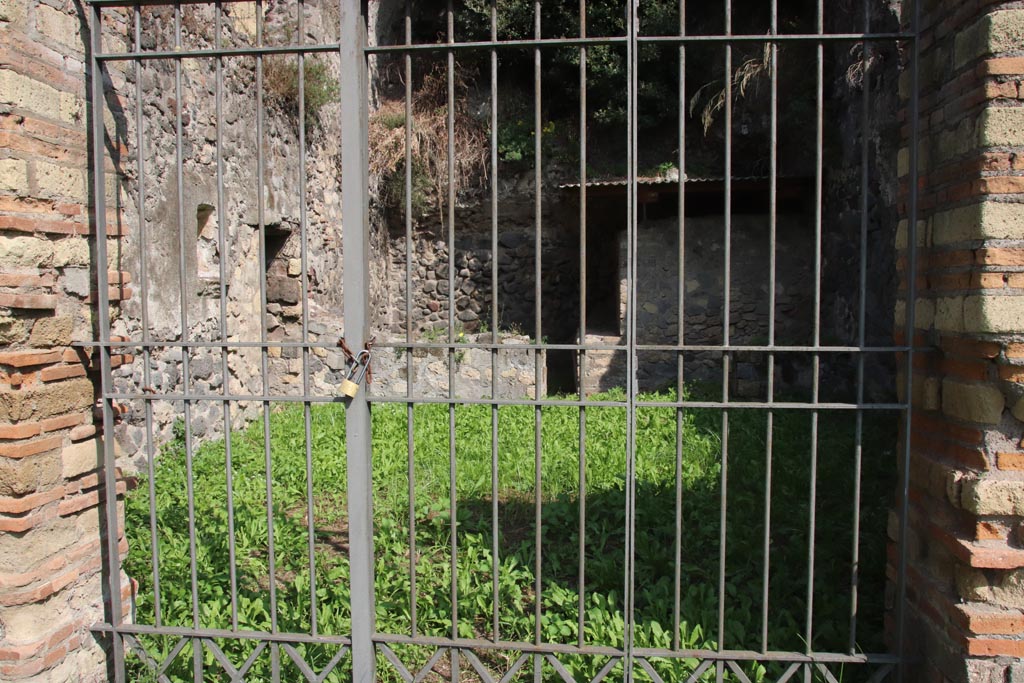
[606, 65]
[517, 139]
[604, 539]
[319, 86]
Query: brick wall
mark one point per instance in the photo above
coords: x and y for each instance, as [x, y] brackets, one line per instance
[965, 545]
[51, 529]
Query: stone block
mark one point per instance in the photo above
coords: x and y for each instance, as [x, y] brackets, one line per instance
[13, 175]
[1018, 409]
[59, 182]
[26, 475]
[73, 251]
[26, 93]
[949, 314]
[985, 671]
[12, 11]
[46, 401]
[25, 251]
[993, 496]
[283, 290]
[72, 109]
[12, 330]
[972, 402]
[984, 220]
[997, 314]
[77, 281]
[924, 314]
[957, 141]
[59, 27]
[82, 457]
[993, 33]
[1001, 126]
[54, 331]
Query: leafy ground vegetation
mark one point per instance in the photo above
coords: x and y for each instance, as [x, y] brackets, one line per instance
[700, 496]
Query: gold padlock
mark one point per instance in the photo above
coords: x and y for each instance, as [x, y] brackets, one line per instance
[350, 385]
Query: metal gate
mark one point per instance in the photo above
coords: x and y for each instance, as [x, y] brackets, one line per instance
[426, 651]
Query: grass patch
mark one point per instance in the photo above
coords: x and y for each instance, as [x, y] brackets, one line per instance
[605, 469]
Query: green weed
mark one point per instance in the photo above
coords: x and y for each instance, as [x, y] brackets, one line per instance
[699, 472]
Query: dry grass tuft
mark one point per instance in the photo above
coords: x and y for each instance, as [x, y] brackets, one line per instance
[428, 144]
[747, 75]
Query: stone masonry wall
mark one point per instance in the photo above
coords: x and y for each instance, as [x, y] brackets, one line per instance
[658, 291]
[965, 542]
[175, 233]
[473, 301]
[52, 531]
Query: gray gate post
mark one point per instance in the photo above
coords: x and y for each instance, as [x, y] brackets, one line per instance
[355, 242]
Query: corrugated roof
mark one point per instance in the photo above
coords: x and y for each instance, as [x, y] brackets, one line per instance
[622, 182]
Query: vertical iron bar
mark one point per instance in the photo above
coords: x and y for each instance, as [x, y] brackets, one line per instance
[677, 578]
[912, 213]
[225, 373]
[861, 331]
[773, 179]
[495, 557]
[304, 259]
[452, 392]
[144, 301]
[410, 413]
[540, 354]
[819, 170]
[581, 576]
[197, 651]
[96, 100]
[358, 435]
[726, 322]
[631, 342]
[268, 470]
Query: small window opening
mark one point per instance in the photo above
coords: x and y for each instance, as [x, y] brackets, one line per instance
[283, 287]
[207, 248]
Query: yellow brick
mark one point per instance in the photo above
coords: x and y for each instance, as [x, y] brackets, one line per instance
[25, 93]
[954, 143]
[992, 496]
[984, 220]
[903, 162]
[59, 27]
[72, 251]
[13, 175]
[71, 108]
[982, 403]
[25, 251]
[54, 181]
[12, 11]
[949, 314]
[1000, 126]
[998, 314]
[994, 33]
[924, 314]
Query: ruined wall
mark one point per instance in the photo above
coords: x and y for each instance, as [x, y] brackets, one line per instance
[965, 560]
[187, 233]
[473, 282]
[704, 275]
[658, 291]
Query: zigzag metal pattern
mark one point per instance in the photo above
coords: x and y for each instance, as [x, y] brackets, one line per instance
[735, 667]
[158, 668]
[236, 675]
[485, 674]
